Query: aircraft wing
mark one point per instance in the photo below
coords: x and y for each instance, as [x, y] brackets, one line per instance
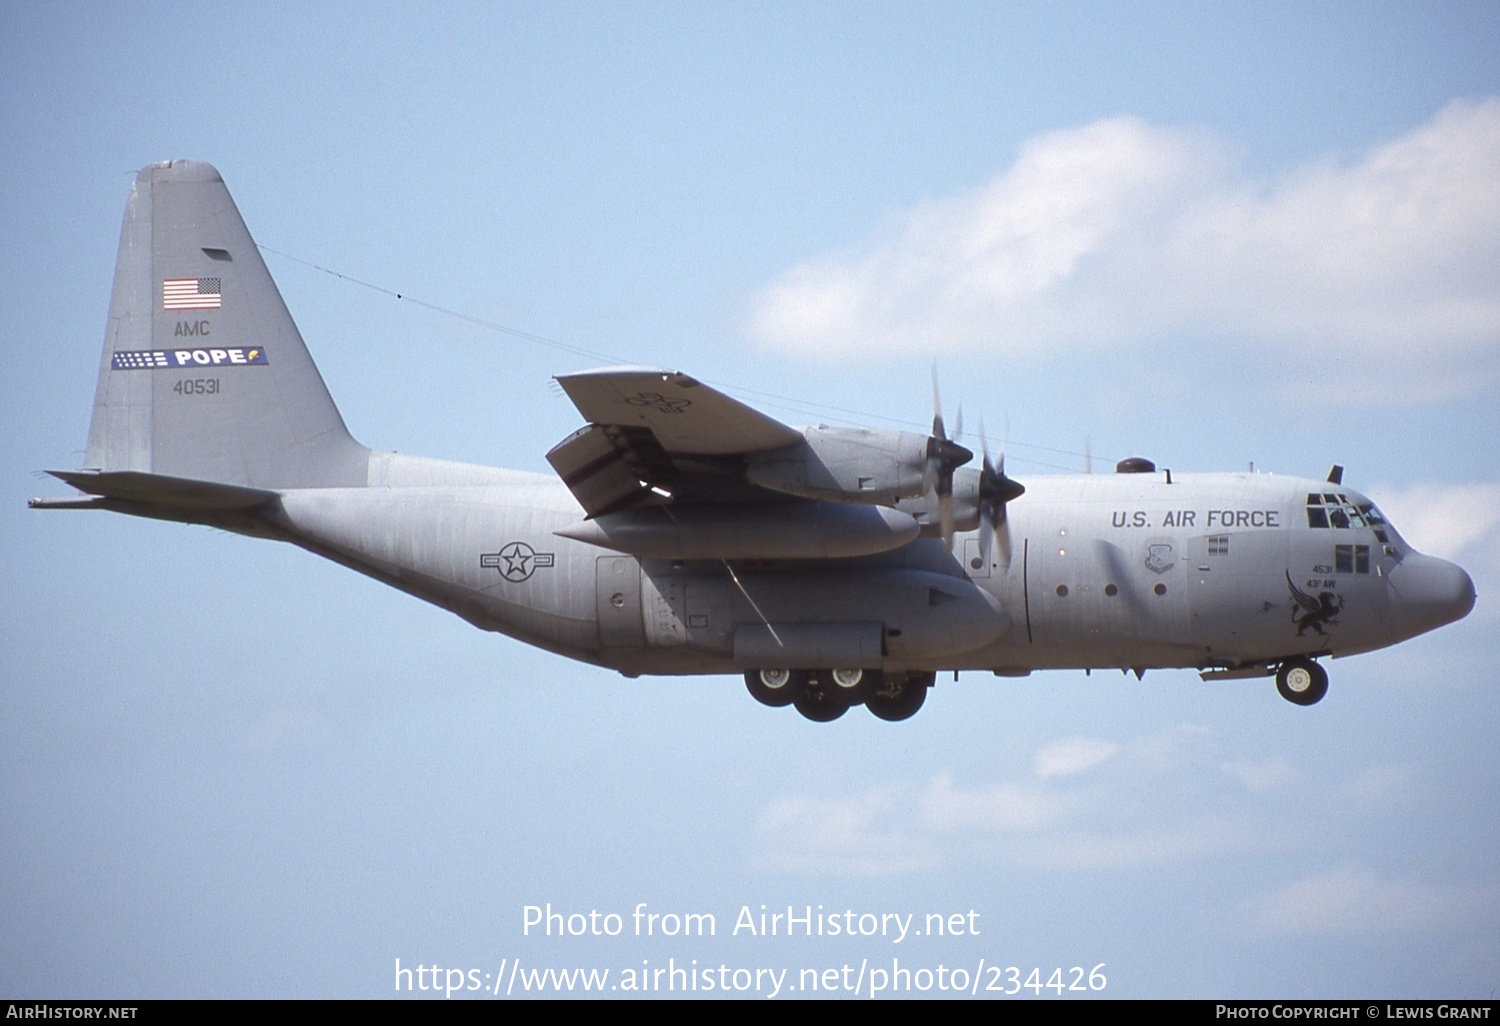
[668, 468]
[656, 436]
[685, 415]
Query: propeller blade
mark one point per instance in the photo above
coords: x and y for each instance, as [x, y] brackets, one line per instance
[1004, 533]
[937, 407]
[995, 491]
[944, 456]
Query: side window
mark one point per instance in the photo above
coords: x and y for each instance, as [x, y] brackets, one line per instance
[1376, 521]
[1351, 559]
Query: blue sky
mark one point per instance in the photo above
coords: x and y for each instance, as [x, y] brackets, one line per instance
[1208, 234]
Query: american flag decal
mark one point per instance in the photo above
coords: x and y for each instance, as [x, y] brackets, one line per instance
[190, 294]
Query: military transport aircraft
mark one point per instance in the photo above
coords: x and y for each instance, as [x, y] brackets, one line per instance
[686, 533]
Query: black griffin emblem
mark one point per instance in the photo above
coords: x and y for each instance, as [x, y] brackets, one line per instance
[516, 561]
[657, 401]
[1314, 613]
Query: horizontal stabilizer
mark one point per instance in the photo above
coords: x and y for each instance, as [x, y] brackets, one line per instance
[156, 490]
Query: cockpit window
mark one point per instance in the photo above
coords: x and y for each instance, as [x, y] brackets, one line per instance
[1337, 511]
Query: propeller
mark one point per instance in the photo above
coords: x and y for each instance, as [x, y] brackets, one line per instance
[944, 456]
[995, 490]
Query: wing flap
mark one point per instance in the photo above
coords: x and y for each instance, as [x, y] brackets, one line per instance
[596, 466]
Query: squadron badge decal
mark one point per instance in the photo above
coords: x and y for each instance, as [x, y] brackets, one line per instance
[1159, 558]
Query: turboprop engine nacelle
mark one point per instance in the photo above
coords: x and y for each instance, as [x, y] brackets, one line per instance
[925, 511]
[846, 465]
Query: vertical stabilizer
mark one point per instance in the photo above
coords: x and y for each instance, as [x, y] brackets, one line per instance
[204, 375]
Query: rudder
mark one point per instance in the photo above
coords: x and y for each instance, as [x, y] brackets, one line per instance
[204, 375]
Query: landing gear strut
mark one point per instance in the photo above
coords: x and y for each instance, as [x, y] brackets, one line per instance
[1302, 681]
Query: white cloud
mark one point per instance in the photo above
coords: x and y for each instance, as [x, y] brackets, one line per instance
[1264, 775]
[804, 834]
[1075, 755]
[1388, 787]
[1457, 522]
[1445, 520]
[999, 808]
[1352, 899]
[1159, 803]
[1155, 844]
[940, 273]
[1118, 233]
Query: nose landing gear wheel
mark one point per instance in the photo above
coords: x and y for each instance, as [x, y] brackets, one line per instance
[1302, 681]
[775, 687]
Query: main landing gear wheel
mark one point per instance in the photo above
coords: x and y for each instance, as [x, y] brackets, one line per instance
[775, 688]
[820, 702]
[1302, 681]
[899, 697]
[854, 686]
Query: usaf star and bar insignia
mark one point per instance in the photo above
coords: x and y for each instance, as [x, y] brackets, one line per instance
[516, 561]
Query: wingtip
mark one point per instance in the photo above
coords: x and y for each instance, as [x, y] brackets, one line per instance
[622, 369]
[181, 171]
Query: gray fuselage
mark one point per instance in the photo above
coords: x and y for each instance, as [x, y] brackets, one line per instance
[1125, 570]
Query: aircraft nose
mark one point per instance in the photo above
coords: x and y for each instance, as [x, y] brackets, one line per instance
[1428, 592]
